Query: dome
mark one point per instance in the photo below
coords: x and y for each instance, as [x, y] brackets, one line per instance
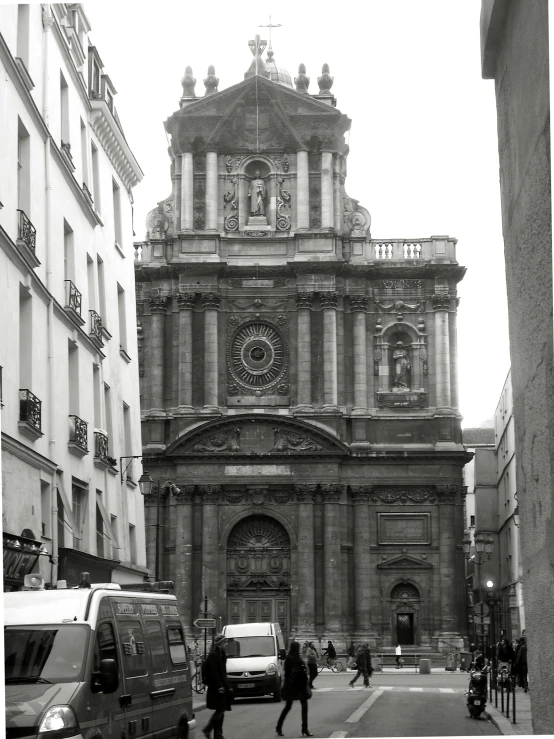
[277, 74]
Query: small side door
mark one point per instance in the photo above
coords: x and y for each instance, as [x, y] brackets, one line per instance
[136, 700]
[163, 691]
[103, 708]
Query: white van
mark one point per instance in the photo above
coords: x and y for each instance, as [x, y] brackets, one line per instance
[255, 653]
[96, 661]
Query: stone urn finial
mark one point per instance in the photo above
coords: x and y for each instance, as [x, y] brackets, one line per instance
[188, 82]
[302, 82]
[325, 82]
[211, 82]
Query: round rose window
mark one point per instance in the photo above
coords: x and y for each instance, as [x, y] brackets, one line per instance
[257, 355]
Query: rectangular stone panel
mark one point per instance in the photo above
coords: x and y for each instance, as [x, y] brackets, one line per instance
[403, 528]
[259, 249]
[255, 470]
[199, 246]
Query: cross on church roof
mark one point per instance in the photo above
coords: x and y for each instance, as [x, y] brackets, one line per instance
[270, 25]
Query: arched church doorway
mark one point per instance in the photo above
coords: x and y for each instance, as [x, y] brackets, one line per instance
[258, 572]
[405, 614]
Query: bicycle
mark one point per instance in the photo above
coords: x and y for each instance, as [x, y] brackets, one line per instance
[335, 665]
[197, 684]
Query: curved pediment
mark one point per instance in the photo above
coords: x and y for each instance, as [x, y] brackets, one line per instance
[253, 434]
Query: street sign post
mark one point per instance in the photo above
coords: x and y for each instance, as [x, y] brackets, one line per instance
[204, 623]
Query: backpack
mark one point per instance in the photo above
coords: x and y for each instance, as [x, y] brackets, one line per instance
[205, 672]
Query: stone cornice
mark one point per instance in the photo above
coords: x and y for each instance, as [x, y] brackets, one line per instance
[26, 454]
[65, 51]
[114, 144]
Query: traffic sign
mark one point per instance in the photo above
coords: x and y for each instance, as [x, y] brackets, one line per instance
[206, 605]
[477, 619]
[204, 623]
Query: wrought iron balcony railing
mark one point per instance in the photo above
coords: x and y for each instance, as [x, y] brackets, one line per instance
[95, 326]
[78, 432]
[30, 409]
[27, 232]
[100, 445]
[72, 297]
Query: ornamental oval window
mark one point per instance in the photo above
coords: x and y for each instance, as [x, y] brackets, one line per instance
[257, 355]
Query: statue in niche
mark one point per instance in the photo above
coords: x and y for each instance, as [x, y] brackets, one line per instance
[401, 365]
[257, 194]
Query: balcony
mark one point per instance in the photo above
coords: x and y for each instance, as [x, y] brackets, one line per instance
[27, 238]
[78, 436]
[30, 415]
[102, 459]
[72, 304]
[95, 331]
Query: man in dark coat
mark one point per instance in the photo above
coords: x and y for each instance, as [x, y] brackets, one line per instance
[521, 664]
[217, 697]
[330, 652]
[363, 663]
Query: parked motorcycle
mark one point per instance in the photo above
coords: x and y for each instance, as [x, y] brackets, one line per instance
[477, 692]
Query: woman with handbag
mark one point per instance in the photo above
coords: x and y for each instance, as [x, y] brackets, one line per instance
[296, 688]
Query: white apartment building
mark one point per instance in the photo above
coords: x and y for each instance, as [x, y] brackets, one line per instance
[68, 340]
[491, 509]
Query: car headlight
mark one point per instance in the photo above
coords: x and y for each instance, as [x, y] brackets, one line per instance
[59, 722]
[271, 669]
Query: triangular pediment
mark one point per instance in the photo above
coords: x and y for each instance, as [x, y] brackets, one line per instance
[256, 114]
[253, 434]
[404, 562]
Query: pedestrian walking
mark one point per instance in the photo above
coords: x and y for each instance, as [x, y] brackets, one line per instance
[330, 652]
[295, 688]
[521, 664]
[311, 660]
[351, 655]
[362, 664]
[217, 696]
[399, 660]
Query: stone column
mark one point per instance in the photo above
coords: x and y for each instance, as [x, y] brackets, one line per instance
[185, 301]
[358, 307]
[362, 562]
[183, 546]
[302, 190]
[187, 198]
[211, 191]
[446, 495]
[150, 511]
[327, 189]
[158, 305]
[441, 305]
[210, 542]
[329, 302]
[332, 573]
[304, 350]
[305, 495]
[210, 302]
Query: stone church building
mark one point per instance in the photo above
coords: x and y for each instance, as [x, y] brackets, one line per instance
[299, 382]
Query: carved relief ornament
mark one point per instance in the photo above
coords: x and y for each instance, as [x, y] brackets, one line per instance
[331, 492]
[399, 497]
[223, 441]
[210, 301]
[304, 300]
[185, 301]
[329, 300]
[288, 441]
[158, 304]
[210, 494]
[358, 303]
[305, 493]
[447, 493]
[361, 494]
[441, 301]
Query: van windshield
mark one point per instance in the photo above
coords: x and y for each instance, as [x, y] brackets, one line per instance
[45, 654]
[251, 646]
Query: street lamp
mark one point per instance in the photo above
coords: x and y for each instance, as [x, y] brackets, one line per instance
[484, 545]
[145, 486]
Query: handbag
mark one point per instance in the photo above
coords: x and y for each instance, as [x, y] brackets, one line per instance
[308, 692]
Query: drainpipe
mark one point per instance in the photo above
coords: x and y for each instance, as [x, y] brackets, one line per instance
[47, 21]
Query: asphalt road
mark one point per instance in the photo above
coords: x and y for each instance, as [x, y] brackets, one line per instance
[395, 705]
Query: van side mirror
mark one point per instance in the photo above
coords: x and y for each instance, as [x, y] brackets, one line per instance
[106, 680]
[282, 653]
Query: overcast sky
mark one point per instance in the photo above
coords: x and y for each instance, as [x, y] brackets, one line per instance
[423, 145]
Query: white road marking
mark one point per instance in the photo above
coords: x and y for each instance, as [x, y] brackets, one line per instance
[447, 690]
[339, 734]
[418, 690]
[366, 705]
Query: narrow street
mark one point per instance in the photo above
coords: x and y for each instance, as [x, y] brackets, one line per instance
[395, 705]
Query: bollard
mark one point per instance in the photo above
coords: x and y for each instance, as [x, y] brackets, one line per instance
[424, 666]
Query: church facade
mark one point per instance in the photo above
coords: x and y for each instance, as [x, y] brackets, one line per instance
[299, 388]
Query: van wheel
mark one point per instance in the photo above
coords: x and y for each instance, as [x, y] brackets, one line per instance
[183, 730]
[277, 694]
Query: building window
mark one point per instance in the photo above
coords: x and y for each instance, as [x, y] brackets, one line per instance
[84, 160]
[472, 521]
[127, 440]
[64, 116]
[23, 169]
[133, 543]
[113, 524]
[25, 339]
[45, 510]
[109, 419]
[78, 506]
[96, 395]
[91, 283]
[102, 290]
[99, 530]
[116, 193]
[61, 520]
[23, 33]
[122, 315]
[73, 377]
[68, 252]
[95, 176]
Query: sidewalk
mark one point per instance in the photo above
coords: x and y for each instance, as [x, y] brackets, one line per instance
[523, 725]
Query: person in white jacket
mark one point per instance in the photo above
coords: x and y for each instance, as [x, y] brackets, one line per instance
[398, 656]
